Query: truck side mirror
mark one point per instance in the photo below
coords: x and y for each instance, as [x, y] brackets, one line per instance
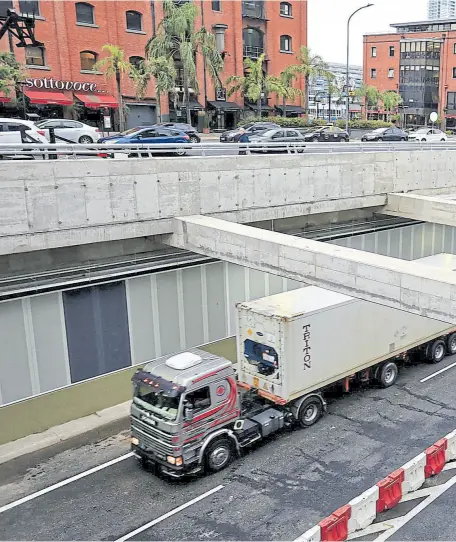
[188, 412]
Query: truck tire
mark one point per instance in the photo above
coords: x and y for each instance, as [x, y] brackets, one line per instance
[310, 412]
[451, 344]
[387, 374]
[436, 351]
[219, 454]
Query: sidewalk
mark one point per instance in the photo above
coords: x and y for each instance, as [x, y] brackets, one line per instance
[63, 432]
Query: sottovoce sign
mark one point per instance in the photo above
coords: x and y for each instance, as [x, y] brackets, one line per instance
[56, 84]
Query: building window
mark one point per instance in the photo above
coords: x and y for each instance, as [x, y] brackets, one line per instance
[451, 100]
[285, 9]
[391, 73]
[454, 73]
[216, 5]
[29, 7]
[34, 56]
[373, 73]
[136, 61]
[88, 60]
[85, 13]
[392, 50]
[285, 44]
[454, 48]
[373, 52]
[134, 21]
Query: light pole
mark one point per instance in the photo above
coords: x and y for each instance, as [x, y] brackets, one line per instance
[347, 113]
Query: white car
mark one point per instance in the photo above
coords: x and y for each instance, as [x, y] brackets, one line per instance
[20, 131]
[428, 134]
[70, 131]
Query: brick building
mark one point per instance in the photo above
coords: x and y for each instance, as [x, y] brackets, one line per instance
[418, 60]
[62, 82]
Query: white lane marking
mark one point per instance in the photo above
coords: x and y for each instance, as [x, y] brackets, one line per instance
[400, 522]
[169, 514]
[64, 482]
[373, 529]
[438, 372]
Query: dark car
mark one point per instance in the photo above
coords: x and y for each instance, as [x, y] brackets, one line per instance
[327, 134]
[232, 136]
[182, 127]
[281, 135]
[386, 134]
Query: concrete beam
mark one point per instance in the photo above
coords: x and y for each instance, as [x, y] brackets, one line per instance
[404, 285]
[441, 210]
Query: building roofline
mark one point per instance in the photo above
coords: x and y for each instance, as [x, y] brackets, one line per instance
[429, 21]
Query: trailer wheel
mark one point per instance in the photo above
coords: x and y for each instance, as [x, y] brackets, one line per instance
[451, 344]
[436, 351]
[387, 375]
[310, 412]
[219, 454]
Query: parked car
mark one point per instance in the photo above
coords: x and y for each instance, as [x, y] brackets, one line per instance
[181, 127]
[326, 134]
[232, 136]
[19, 131]
[148, 135]
[428, 134]
[281, 135]
[386, 134]
[70, 130]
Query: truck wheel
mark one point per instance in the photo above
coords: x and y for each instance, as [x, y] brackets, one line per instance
[387, 375]
[310, 412]
[219, 454]
[451, 344]
[436, 351]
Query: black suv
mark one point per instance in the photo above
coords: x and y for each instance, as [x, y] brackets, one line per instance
[232, 136]
[182, 127]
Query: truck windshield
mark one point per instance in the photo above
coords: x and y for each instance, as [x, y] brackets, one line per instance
[158, 403]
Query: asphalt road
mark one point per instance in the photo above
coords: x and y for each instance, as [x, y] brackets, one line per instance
[276, 492]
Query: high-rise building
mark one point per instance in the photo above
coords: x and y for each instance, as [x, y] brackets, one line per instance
[441, 9]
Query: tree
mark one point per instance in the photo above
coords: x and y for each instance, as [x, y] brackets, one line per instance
[177, 38]
[11, 73]
[114, 65]
[391, 100]
[162, 70]
[284, 86]
[370, 94]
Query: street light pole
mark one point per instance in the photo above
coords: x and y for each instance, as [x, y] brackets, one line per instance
[347, 113]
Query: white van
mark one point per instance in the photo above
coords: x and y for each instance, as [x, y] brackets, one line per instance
[20, 131]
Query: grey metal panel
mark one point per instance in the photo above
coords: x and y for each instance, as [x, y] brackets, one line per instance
[382, 243]
[141, 319]
[439, 239]
[275, 284]
[427, 240]
[216, 310]
[257, 284]
[406, 243]
[97, 330]
[193, 307]
[369, 242]
[394, 243]
[236, 289]
[168, 311]
[417, 235]
[50, 344]
[294, 284]
[15, 380]
[356, 242]
[448, 233]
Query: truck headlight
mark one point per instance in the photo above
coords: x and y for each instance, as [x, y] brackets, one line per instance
[174, 460]
[134, 441]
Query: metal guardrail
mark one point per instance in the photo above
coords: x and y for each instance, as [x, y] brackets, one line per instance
[100, 150]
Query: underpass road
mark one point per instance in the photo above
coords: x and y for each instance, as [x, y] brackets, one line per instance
[275, 492]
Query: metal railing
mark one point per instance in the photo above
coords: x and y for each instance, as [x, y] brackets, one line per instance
[253, 51]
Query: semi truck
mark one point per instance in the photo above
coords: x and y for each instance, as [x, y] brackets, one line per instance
[197, 411]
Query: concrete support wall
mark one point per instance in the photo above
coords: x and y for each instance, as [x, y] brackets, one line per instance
[50, 204]
[392, 282]
[440, 210]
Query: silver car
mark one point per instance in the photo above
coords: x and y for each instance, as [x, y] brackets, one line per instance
[71, 131]
[281, 136]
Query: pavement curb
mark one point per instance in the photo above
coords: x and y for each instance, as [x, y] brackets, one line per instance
[60, 433]
[362, 511]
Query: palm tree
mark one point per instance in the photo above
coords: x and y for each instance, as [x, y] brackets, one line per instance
[114, 65]
[311, 66]
[177, 38]
[391, 100]
[284, 86]
[162, 70]
[370, 94]
[11, 73]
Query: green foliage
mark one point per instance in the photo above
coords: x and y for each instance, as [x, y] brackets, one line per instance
[11, 73]
[302, 123]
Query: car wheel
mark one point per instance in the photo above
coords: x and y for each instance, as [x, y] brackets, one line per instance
[194, 139]
[443, 140]
[85, 140]
[343, 140]
[180, 151]
[379, 139]
[423, 140]
[219, 455]
[403, 139]
[315, 140]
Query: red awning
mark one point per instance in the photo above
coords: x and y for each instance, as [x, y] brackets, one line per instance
[47, 97]
[96, 101]
[4, 98]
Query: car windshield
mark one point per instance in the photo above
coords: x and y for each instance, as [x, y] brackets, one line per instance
[379, 131]
[422, 131]
[162, 405]
[266, 133]
[131, 131]
[247, 126]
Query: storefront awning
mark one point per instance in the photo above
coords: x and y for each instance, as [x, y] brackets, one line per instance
[256, 107]
[227, 106]
[195, 106]
[50, 97]
[4, 98]
[96, 101]
[297, 109]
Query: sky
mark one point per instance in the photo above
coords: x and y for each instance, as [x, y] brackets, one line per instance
[327, 24]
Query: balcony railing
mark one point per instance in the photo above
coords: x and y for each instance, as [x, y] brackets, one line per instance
[253, 51]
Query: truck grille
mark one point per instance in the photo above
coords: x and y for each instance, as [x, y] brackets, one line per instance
[151, 437]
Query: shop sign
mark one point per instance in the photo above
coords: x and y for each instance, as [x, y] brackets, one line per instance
[220, 94]
[107, 122]
[56, 84]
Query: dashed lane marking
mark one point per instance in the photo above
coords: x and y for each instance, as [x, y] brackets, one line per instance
[438, 373]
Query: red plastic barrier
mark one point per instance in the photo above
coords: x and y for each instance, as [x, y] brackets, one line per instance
[390, 490]
[435, 458]
[335, 527]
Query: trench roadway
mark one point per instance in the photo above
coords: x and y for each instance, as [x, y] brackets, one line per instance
[276, 492]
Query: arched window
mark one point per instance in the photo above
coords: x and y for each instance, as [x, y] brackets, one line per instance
[253, 42]
[285, 9]
[88, 60]
[136, 61]
[85, 13]
[285, 44]
[134, 21]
